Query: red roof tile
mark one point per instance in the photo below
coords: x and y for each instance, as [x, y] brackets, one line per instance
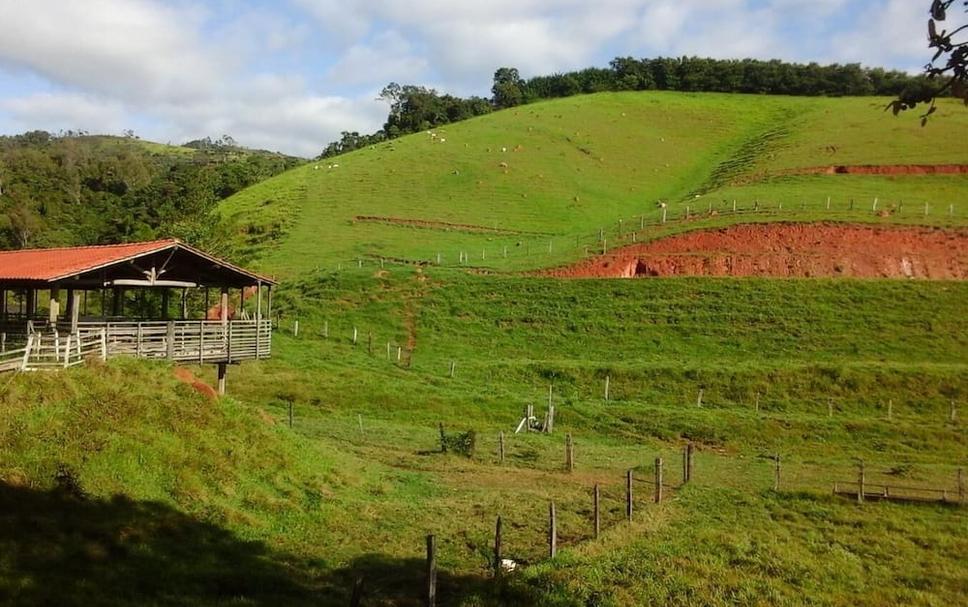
[53, 264]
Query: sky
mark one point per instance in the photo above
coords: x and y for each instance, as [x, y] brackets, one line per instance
[290, 75]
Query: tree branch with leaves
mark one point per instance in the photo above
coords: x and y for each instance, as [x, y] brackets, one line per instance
[947, 72]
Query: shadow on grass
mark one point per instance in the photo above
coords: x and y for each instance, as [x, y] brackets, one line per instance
[58, 548]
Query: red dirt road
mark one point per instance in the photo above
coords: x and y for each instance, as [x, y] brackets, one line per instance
[789, 250]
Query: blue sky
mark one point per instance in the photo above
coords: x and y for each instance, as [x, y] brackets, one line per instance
[290, 75]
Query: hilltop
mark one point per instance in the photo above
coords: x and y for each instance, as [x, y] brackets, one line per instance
[538, 185]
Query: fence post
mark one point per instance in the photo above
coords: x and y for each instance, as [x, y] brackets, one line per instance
[699, 398]
[497, 547]
[689, 450]
[354, 335]
[500, 438]
[597, 510]
[552, 531]
[860, 482]
[431, 571]
[443, 438]
[658, 480]
[607, 379]
[104, 344]
[961, 485]
[290, 414]
[295, 328]
[776, 473]
[685, 464]
[569, 453]
[453, 367]
[952, 416]
[628, 495]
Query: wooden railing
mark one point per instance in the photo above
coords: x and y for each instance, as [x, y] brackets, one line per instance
[199, 341]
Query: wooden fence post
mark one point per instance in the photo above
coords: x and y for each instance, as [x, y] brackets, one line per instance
[689, 451]
[443, 438]
[569, 453]
[369, 343]
[607, 380]
[501, 446]
[497, 547]
[628, 495]
[552, 531]
[961, 485]
[860, 482]
[699, 398]
[295, 328]
[776, 473]
[953, 414]
[658, 480]
[431, 596]
[290, 414]
[685, 464]
[359, 419]
[453, 367]
[597, 499]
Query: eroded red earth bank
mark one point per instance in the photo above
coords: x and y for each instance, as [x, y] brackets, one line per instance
[789, 250]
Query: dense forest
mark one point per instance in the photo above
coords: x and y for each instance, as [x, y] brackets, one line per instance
[74, 188]
[416, 108]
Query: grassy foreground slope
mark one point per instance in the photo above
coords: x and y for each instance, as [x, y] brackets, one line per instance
[125, 479]
[532, 186]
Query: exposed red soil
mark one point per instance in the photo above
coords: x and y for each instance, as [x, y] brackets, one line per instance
[883, 169]
[789, 250]
[438, 225]
[186, 376]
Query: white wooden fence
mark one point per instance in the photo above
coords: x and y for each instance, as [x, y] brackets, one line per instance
[202, 341]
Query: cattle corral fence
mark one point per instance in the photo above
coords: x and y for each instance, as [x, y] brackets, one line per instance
[186, 341]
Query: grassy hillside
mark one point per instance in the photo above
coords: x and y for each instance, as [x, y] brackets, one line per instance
[296, 516]
[552, 174]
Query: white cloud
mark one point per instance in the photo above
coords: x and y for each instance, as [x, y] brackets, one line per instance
[54, 112]
[389, 56]
[291, 76]
[134, 50]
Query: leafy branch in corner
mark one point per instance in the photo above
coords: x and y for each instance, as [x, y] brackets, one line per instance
[947, 72]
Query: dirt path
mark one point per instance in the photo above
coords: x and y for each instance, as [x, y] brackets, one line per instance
[789, 250]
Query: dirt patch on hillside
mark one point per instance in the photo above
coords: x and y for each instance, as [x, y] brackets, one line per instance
[186, 376]
[789, 250]
[883, 169]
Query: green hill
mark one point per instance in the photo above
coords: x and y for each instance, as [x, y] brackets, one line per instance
[551, 175]
[94, 189]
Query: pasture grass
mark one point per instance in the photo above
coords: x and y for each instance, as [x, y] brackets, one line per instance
[552, 175]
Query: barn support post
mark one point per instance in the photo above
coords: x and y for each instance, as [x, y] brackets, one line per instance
[53, 311]
[73, 308]
[222, 370]
[32, 304]
[184, 304]
[117, 302]
[269, 302]
[223, 306]
[258, 301]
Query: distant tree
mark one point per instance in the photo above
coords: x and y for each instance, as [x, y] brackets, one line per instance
[947, 72]
[508, 88]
